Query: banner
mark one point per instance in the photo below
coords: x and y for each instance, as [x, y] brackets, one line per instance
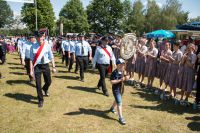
[23, 1]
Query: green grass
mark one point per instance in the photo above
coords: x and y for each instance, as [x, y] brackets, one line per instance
[75, 106]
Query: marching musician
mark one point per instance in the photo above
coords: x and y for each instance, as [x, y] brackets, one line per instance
[40, 56]
[102, 59]
[82, 49]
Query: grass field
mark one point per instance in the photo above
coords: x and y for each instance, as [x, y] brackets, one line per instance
[76, 106]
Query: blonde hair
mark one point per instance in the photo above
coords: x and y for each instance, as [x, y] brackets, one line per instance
[191, 45]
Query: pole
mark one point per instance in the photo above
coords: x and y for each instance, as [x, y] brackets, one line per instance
[36, 21]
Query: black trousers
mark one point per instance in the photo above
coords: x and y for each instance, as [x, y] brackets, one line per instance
[198, 88]
[27, 66]
[63, 58]
[77, 65]
[103, 68]
[71, 61]
[45, 70]
[83, 64]
[3, 58]
[66, 59]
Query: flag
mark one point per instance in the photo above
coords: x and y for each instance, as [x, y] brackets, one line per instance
[23, 1]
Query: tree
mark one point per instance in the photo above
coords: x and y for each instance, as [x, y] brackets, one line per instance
[172, 15]
[152, 17]
[74, 17]
[137, 18]
[127, 9]
[6, 14]
[46, 18]
[105, 16]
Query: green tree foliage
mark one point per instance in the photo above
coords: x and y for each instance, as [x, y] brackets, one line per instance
[152, 17]
[127, 9]
[74, 17]
[46, 18]
[105, 15]
[6, 14]
[137, 19]
[172, 14]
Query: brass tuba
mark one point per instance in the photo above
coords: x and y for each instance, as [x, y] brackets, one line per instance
[128, 46]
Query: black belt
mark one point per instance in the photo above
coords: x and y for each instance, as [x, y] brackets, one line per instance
[103, 64]
[27, 58]
[82, 56]
[42, 64]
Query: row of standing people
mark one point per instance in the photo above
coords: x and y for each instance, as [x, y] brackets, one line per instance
[174, 68]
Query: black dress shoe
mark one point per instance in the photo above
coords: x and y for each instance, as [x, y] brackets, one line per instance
[40, 104]
[106, 94]
[46, 93]
[2, 77]
[99, 87]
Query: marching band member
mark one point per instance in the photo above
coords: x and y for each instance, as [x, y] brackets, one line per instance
[82, 49]
[102, 58]
[40, 56]
[151, 63]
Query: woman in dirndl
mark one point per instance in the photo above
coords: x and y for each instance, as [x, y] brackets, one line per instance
[175, 60]
[116, 46]
[188, 73]
[141, 59]
[130, 67]
[164, 65]
[151, 63]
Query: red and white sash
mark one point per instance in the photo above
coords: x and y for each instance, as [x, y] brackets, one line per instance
[106, 51]
[39, 54]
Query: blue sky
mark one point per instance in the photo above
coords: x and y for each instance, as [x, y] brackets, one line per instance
[193, 6]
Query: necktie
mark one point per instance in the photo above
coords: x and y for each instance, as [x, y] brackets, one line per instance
[82, 49]
[42, 60]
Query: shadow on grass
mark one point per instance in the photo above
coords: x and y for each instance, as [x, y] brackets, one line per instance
[17, 58]
[92, 71]
[17, 73]
[22, 97]
[61, 71]
[12, 82]
[67, 77]
[86, 89]
[62, 66]
[94, 112]
[14, 64]
[17, 68]
[194, 125]
[167, 106]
